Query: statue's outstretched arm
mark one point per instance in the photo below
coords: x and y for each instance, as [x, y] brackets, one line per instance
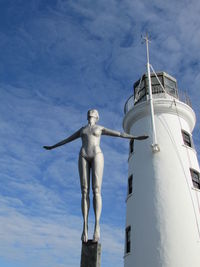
[110, 132]
[65, 141]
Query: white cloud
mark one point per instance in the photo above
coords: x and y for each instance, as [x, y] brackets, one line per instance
[44, 241]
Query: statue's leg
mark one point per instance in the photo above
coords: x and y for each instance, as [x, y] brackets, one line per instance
[84, 172]
[97, 174]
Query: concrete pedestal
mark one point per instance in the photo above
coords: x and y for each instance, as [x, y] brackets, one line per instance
[91, 254]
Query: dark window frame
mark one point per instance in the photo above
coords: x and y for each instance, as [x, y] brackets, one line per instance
[130, 184]
[128, 239]
[187, 139]
[195, 175]
[131, 146]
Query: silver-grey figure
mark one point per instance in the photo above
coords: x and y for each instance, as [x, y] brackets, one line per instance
[91, 160]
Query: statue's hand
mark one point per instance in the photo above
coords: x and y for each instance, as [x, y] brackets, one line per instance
[47, 147]
[132, 137]
[141, 137]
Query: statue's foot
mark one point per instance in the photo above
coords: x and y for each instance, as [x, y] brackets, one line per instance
[84, 237]
[96, 235]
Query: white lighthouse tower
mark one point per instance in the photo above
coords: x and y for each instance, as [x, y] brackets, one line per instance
[163, 199]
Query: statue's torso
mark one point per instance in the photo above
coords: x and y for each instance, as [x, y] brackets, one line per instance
[91, 136]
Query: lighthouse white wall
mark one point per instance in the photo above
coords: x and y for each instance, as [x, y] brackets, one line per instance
[163, 210]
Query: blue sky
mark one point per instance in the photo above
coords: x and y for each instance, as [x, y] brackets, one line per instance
[57, 60]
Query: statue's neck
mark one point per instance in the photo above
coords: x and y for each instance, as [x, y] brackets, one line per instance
[91, 124]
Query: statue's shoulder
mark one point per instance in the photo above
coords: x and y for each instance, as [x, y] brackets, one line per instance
[85, 126]
[99, 127]
[82, 129]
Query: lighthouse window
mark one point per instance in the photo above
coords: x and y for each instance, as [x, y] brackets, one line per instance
[130, 184]
[187, 138]
[128, 239]
[156, 87]
[170, 86]
[131, 146]
[195, 178]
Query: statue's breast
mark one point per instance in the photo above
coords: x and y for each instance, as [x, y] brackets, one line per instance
[91, 131]
[96, 131]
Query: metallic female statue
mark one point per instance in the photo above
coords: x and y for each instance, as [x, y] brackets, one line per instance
[91, 159]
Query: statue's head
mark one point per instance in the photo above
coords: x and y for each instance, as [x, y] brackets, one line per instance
[93, 113]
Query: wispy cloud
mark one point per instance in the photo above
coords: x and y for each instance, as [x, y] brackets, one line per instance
[47, 241]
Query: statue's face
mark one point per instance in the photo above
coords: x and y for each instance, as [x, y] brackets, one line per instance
[93, 113]
[92, 120]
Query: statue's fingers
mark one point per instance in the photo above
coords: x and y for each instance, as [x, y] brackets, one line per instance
[47, 147]
[145, 136]
[142, 137]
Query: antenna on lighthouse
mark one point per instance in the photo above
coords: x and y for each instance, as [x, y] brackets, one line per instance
[155, 146]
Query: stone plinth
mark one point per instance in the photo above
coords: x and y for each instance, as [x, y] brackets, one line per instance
[91, 254]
